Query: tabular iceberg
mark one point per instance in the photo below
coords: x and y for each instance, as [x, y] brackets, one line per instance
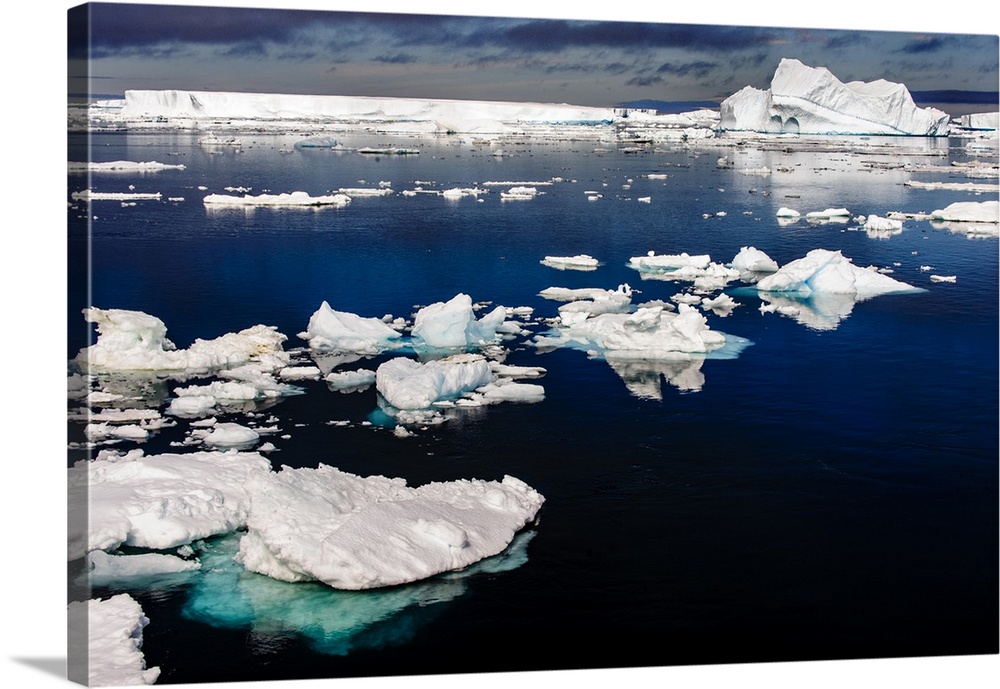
[811, 100]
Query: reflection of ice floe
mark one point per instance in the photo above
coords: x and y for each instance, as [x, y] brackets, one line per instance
[332, 622]
[351, 532]
[159, 501]
[330, 330]
[106, 640]
[817, 312]
[578, 262]
[644, 378]
[293, 199]
[136, 341]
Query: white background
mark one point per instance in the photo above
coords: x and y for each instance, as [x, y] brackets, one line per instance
[32, 318]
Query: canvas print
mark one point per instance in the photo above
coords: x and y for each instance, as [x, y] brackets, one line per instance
[414, 344]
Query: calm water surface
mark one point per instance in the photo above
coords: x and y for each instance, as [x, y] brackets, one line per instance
[824, 494]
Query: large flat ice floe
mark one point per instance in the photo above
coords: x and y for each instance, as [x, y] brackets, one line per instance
[811, 100]
[969, 211]
[351, 532]
[136, 341]
[159, 501]
[111, 647]
[288, 200]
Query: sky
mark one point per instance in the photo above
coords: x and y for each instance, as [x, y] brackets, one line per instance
[597, 62]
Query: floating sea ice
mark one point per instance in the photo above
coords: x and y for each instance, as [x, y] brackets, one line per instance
[824, 271]
[943, 278]
[407, 384]
[787, 213]
[519, 194]
[299, 373]
[159, 501]
[136, 341]
[453, 325]
[653, 263]
[753, 260]
[106, 639]
[122, 166]
[97, 432]
[882, 228]
[721, 305]
[578, 262]
[226, 435]
[969, 211]
[293, 199]
[356, 533]
[104, 567]
[347, 380]
[830, 215]
[341, 331]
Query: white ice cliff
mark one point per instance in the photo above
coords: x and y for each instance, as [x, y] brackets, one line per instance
[811, 100]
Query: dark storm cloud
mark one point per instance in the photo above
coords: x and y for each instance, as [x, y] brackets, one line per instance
[698, 69]
[924, 45]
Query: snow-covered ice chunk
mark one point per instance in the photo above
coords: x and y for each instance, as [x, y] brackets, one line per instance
[752, 260]
[653, 262]
[407, 384]
[329, 329]
[351, 532]
[810, 100]
[160, 501]
[106, 638]
[787, 213]
[825, 271]
[293, 199]
[969, 211]
[578, 262]
[453, 325]
[136, 341]
[226, 435]
[344, 380]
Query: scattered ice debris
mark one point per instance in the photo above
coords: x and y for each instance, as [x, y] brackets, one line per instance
[103, 567]
[589, 301]
[943, 278]
[295, 198]
[453, 325]
[755, 171]
[354, 533]
[122, 166]
[578, 262]
[238, 190]
[824, 271]
[341, 331]
[406, 384]
[88, 195]
[136, 341]
[159, 501]
[810, 100]
[462, 192]
[107, 640]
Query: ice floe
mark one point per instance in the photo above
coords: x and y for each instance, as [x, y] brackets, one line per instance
[88, 195]
[105, 567]
[121, 166]
[969, 211]
[159, 501]
[578, 262]
[353, 532]
[293, 199]
[407, 384]
[830, 272]
[752, 260]
[136, 341]
[453, 325]
[810, 100]
[107, 641]
[329, 329]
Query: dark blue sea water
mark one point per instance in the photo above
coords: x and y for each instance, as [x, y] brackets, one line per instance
[825, 494]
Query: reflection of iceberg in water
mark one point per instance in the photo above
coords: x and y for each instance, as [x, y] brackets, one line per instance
[332, 622]
[822, 311]
[643, 378]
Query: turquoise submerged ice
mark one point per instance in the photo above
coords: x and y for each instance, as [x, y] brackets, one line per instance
[333, 622]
